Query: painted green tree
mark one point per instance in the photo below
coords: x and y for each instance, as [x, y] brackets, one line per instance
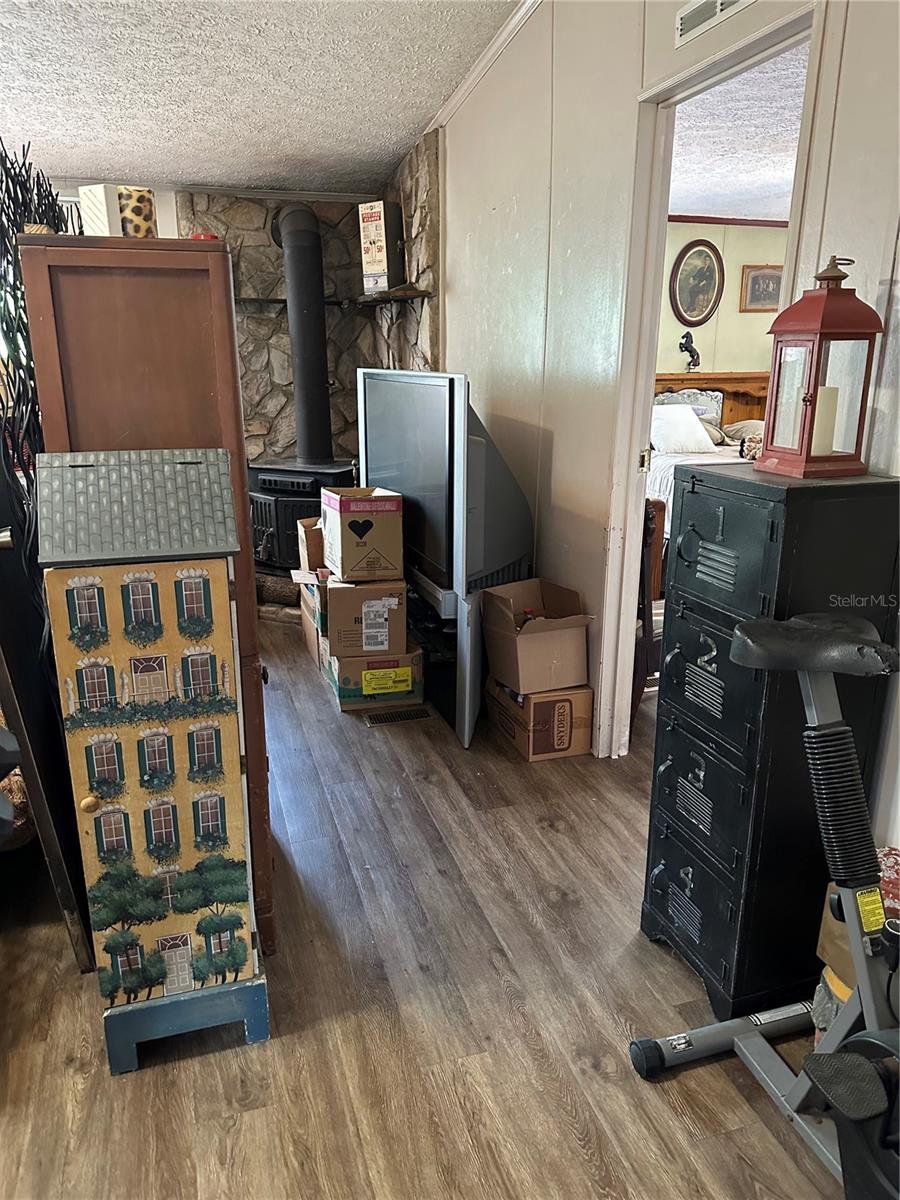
[214, 884]
[121, 899]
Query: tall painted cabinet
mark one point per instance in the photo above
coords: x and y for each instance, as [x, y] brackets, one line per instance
[137, 550]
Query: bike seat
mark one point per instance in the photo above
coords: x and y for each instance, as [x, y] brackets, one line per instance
[842, 645]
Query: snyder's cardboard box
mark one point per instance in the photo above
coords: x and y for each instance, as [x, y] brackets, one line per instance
[367, 618]
[311, 543]
[364, 682]
[549, 651]
[547, 724]
[363, 530]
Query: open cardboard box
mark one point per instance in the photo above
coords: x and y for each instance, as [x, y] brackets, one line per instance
[547, 653]
[310, 540]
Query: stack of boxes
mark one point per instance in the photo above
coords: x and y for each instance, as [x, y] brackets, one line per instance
[353, 599]
[537, 695]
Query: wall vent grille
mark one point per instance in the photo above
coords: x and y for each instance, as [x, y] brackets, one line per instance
[698, 16]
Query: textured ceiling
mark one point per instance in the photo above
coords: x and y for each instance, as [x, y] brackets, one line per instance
[277, 94]
[735, 145]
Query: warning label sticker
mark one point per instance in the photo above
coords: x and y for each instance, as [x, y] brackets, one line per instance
[391, 679]
[871, 909]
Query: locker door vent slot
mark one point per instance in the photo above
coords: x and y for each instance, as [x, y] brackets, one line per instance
[685, 914]
[705, 690]
[692, 803]
[717, 566]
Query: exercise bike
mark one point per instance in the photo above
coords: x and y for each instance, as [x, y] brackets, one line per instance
[852, 1077]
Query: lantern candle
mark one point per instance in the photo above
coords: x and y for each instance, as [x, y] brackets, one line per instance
[818, 388]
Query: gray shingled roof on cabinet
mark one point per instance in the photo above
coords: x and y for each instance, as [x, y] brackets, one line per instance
[111, 506]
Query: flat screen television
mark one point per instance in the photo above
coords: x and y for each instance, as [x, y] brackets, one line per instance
[466, 522]
[409, 448]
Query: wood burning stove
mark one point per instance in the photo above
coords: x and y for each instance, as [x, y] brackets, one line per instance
[284, 490]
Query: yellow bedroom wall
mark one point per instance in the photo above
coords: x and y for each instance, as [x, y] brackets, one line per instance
[730, 340]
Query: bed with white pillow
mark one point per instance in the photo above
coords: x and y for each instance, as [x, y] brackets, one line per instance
[682, 428]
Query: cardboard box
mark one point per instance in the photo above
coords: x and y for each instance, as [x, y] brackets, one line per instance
[366, 682]
[311, 542]
[546, 725]
[548, 652]
[367, 618]
[833, 947]
[363, 530]
[310, 632]
[313, 593]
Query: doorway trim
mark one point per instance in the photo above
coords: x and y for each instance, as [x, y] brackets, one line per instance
[640, 332]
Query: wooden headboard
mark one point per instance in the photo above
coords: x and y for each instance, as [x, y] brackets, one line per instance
[744, 391]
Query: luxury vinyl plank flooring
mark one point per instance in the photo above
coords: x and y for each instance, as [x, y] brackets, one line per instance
[459, 972]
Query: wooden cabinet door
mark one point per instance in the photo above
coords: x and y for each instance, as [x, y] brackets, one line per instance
[134, 348]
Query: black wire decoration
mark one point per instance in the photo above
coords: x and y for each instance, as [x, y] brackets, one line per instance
[26, 198]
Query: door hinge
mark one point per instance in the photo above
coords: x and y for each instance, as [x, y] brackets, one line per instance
[644, 460]
[243, 764]
[765, 602]
[773, 530]
[232, 590]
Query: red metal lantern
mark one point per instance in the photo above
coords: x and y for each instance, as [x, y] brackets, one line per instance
[819, 385]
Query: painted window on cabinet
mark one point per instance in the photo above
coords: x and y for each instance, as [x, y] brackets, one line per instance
[87, 609]
[219, 942]
[168, 878]
[157, 751]
[113, 832]
[106, 761]
[96, 686]
[129, 960]
[194, 591]
[210, 815]
[199, 675]
[141, 599]
[162, 824]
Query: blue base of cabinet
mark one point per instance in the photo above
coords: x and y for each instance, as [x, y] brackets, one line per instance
[127, 1026]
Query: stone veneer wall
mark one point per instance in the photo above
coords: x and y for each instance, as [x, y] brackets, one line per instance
[412, 329]
[399, 334]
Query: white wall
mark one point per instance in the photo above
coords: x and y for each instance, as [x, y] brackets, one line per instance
[540, 166]
[539, 173]
[852, 209]
[730, 340]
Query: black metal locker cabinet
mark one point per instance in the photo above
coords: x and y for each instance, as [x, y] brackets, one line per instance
[735, 871]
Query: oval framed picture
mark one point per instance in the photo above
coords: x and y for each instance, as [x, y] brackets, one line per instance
[696, 282]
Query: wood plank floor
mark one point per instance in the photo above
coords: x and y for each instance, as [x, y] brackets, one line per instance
[459, 972]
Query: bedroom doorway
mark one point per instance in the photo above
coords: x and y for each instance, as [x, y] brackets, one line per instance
[721, 173]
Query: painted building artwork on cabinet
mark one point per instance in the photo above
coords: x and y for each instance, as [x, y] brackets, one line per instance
[136, 547]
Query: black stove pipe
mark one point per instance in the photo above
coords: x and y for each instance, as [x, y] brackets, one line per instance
[295, 228]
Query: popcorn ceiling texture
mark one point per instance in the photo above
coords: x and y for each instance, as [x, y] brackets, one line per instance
[736, 145]
[403, 335]
[280, 94]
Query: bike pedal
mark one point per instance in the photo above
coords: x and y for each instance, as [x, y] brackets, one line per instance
[850, 1083]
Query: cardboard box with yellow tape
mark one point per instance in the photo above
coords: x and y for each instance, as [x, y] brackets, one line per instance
[365, 682]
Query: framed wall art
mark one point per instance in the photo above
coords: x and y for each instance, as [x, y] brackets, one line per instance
[760, 287]
[696, 282]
